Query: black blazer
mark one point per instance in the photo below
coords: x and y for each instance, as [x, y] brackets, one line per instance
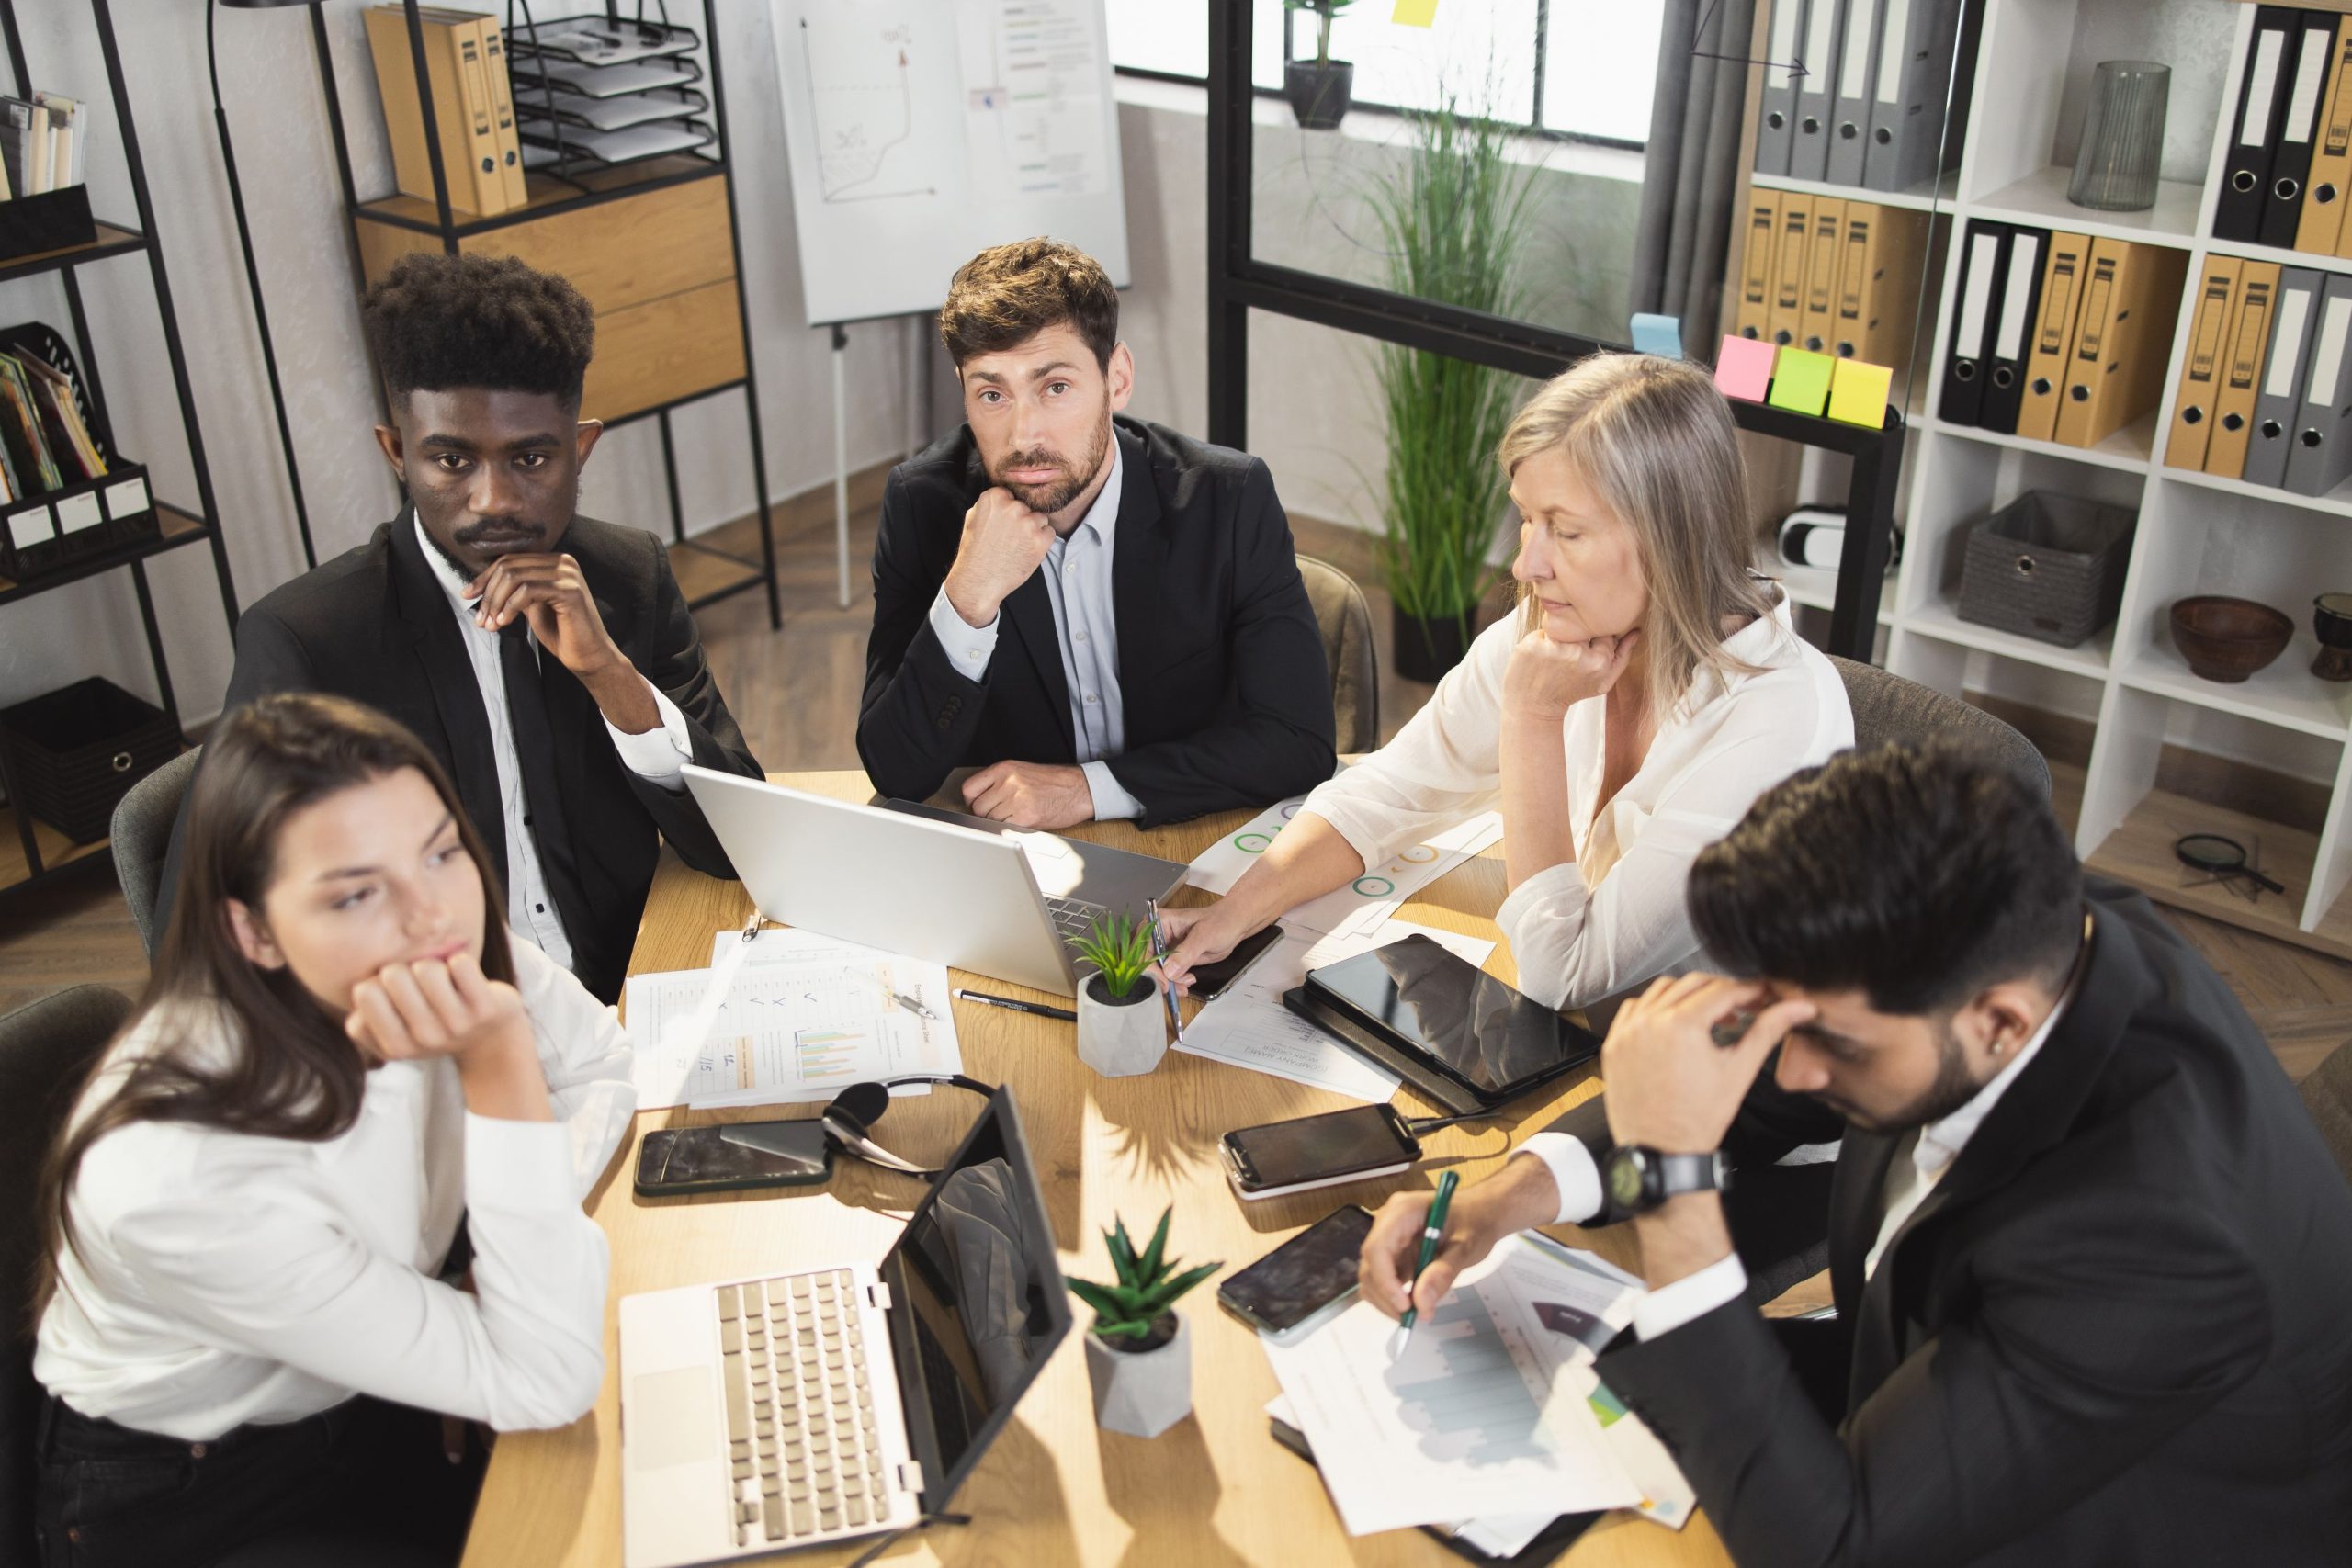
[375, 625]
[2114, 1333]
[1226, 695]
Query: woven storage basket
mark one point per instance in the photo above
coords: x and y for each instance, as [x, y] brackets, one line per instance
[2047, 566]
[74, 752]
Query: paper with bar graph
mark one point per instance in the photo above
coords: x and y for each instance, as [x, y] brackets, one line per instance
[1482, 1417]
[792, 1017]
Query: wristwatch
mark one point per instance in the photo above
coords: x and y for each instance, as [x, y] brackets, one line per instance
[1640, 1179]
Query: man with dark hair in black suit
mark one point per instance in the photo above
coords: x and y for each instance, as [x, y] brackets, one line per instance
[1104, 617]
[2090, 1255]
[548, 659]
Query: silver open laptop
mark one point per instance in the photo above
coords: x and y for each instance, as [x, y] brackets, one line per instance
[924, 883]
[825, 1403]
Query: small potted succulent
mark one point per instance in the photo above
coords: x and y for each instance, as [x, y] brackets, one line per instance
[1320, 89]
[1138, 1357]
[1121, 1028]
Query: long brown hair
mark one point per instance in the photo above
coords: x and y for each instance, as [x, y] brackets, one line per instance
[291, 1072]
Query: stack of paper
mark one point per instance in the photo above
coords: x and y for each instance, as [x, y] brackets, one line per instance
[1371, 899]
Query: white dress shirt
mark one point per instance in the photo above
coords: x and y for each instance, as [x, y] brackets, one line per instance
[1077, 580]
[1920, 1161]
[1612, 918]
[220, 1278]
[659, 754]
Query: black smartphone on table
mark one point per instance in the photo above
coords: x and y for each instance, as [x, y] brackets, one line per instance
[674, 1161]
[1212, 980]
[1317, 1151]
[1301, 1276]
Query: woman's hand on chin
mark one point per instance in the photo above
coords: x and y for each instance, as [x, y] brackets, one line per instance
[1546, 678]
[435, 1008]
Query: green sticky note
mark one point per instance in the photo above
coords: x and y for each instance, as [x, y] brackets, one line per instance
[1415, 14]
[1801, 381]
[1857, 393]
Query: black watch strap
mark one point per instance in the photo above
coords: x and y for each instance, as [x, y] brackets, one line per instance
[1693, 1173]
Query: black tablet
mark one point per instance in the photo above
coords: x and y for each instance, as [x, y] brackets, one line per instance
[1438, 1011]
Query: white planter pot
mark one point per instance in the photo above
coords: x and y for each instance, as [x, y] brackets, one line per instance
[1119, 1040]
[1141, 1393]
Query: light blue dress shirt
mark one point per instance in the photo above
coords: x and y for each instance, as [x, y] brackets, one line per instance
[1077, 580]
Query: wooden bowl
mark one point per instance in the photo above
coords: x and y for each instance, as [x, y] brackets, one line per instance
[2228, 639]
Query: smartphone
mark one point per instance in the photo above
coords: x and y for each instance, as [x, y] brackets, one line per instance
[672, 1161]
[1317, 1151]
[1301, 1276]
[1211, 981]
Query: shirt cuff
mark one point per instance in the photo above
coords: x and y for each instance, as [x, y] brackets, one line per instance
[659, 754]
[1692, 1297]
[1573, 1173]
[969, 647]
[1562, 883]
[519, 1164]
[1112, 802]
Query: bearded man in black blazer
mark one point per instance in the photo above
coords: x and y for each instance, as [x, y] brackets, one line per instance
[547, 658]
[1104, 617]
[2091, 1257]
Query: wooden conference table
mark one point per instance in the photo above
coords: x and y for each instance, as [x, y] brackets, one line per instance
[1055, 1490]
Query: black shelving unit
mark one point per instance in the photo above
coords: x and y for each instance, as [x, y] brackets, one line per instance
[181, 524]
[448, 227]
[1239, 283]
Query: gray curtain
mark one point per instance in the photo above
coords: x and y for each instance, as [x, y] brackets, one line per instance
[1683, 241]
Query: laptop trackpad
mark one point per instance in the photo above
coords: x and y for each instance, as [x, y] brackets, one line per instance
[673, 1418]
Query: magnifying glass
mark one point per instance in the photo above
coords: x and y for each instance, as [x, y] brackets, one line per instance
[2218, 856]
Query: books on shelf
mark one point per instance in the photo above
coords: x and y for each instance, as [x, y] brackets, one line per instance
[44, 443]
[472, 106]
[43, 142]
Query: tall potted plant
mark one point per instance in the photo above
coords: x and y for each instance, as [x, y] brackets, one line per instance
[1320, 89]
[1121, 1031]
[1137, 1357]
[1453, 213]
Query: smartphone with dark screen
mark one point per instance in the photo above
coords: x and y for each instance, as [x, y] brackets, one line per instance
[673, 1161]
[1211, 981]
[1317, 1151]
[1301, 1276]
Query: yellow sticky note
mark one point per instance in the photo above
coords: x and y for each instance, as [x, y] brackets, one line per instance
[1415, 14]
[1857, 393]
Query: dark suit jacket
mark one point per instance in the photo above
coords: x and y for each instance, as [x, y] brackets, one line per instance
[2114, 1333]
[375, 625]
[1226, 695]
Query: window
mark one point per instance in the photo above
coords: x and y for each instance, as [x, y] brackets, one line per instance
[1590, 79]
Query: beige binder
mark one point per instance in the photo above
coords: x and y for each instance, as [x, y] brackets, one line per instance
[2116, 372]
[1753, 316]
[1819, 332]
[2053, 335]
[2240, 379]
[1787, 305]
[2201, 373]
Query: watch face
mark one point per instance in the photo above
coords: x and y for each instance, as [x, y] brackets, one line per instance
[1625, 1178]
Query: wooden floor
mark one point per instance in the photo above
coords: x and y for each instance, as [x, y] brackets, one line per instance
[794, 692]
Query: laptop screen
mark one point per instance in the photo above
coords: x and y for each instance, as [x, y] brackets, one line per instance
[978, 1304]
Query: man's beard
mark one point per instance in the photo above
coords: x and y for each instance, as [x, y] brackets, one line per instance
[1952, 1089]
[1047, 500]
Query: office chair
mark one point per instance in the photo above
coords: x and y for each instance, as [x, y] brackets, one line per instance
[46, 1050]
[1890, 709]
[142, 836]
[2327, 1095]
[1344, 618]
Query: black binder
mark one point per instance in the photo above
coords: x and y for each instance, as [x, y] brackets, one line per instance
[2282, 209]
[2010, 337]
[2261, 109]
[1984, 270]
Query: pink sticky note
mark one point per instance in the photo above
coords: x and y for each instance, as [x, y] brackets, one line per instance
[1744, 369]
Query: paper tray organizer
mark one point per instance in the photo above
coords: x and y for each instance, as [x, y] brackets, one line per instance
[84, 517]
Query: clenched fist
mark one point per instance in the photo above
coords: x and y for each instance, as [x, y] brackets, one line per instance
[1003, 543]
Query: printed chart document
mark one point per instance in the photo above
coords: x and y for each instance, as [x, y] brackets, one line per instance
[1483, 1418]
[789, 1018]
[1371, 899]
[1249, 1026]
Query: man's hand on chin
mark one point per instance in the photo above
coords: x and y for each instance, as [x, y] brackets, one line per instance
[1046, 795]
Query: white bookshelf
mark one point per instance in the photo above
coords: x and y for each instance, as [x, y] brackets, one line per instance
[2197, 534]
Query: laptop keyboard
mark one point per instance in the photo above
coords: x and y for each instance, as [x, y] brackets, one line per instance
[1075, 917]
[804, 1460]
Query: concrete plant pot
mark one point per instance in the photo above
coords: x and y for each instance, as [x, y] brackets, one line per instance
[1121, 1038]
[1318, 94]
[1141, 1393]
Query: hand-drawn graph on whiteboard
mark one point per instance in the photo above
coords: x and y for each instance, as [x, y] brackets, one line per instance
[866, 75]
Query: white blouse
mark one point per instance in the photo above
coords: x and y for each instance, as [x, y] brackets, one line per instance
[220, 1278]
[1612, 918]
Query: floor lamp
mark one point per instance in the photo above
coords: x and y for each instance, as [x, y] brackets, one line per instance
[253, 274]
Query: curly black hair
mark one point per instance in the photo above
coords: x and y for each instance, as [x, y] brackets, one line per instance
[1917, 876]
[438, 321]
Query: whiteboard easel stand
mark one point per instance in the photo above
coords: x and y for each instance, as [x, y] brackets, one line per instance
[841, 458]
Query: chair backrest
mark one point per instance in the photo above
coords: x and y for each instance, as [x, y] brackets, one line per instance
[1344, 617]
[142, 834]
[2327, 1095]
[46, 1050]
[1888, 708]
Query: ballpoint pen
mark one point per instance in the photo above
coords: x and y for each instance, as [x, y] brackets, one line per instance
[1159, 956]
[1432, 1229]
[1013, 1005]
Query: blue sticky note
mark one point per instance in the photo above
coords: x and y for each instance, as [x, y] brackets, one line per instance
[1661, 335]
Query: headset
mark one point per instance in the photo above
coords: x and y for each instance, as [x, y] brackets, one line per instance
[850, 1118]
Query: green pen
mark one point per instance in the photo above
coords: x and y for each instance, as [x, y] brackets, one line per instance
[1433, 1232]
